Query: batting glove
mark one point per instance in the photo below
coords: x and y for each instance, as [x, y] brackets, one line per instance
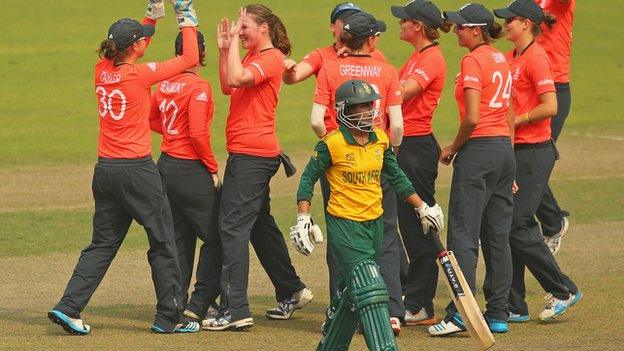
[155, 9]
[305, 234]
[185, 13]
[431, 217]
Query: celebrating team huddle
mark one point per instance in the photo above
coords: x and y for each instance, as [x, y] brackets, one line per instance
[376, 159]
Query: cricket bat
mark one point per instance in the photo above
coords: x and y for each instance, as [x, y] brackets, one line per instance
[463, 297]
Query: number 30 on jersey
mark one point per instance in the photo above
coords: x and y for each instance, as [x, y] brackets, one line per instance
[107, 100]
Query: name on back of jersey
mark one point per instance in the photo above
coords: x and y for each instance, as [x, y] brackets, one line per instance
[360, 71]
[167, 87]
[110, 78]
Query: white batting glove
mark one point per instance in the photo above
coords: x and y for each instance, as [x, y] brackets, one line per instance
[431, 217]
[185, 13]
[305, 233]
[155, 9]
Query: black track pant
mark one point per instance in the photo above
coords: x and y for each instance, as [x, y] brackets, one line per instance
[549, 212]
[418, 158]
[245, 215]
[534, 164]
[123, 190]
[481, 207]
[194, 205]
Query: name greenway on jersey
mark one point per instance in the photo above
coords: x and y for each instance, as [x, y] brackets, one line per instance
[360, 71]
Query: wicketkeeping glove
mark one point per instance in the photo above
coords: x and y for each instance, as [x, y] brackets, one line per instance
[305, 234]
[430, 217]
[155, 9]
[185, 13]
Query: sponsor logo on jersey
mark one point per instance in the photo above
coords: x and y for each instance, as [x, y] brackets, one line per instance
[543, 82]
[202, 97]
[471, 79]
[152, 66]
[422, 73]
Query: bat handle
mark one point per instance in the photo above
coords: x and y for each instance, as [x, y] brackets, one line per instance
[433, 234]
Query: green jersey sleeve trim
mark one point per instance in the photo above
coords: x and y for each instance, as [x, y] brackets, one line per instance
[318, 163]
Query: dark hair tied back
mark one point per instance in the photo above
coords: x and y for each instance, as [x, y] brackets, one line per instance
[108, 50]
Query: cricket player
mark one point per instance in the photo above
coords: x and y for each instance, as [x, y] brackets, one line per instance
[354, 159]
[253, 85]
[422, 80]
[480, 202]
[360, 36]
[534, 102]
[126, 183]
[182, 111]
[557, 41]
[311, 65]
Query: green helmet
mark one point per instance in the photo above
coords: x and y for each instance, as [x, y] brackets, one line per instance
[354, 92]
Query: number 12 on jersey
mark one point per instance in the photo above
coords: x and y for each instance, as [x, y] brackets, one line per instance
[169, 110]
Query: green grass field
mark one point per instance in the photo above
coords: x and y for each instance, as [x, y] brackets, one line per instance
[48, 148]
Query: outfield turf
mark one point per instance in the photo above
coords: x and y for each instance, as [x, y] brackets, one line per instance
[48, 148]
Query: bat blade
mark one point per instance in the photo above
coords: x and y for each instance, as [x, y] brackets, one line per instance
[463, 298]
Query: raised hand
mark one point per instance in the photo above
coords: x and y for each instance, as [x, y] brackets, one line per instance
[236, 27]
[223, 35]
[155, 9]
[185, 13]
[290, 65]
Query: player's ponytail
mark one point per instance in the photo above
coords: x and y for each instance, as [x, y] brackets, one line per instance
[108, 50]
[549, 20]
[446, 25]
[277, 30]
[492, 32]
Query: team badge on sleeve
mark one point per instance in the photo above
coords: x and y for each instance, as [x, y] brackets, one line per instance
[152, 66]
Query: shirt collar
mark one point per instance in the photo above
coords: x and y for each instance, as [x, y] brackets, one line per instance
[372, 136]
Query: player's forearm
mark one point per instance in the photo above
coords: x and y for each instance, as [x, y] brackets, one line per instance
[395, 116]
[317, 119]
[546, 109]
[303, 206]
[225, 88]
[235, 70]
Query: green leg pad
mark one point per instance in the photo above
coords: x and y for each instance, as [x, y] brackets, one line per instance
[340, 324]
[371, 301]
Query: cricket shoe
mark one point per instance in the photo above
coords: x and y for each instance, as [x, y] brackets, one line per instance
[576, 298]
[455, 325]
[286, 308]
[225, 322]
[518, 318]
[420, 318]
[188, 327]
[395, 323]
[554, 242]
[554, 308]
[211, 315]
[497, 325]
[73, 326]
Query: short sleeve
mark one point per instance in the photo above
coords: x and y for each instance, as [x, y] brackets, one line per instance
[471, 74]
[315, 60]
[322, 91]
[394, 89]
[426, 72]
[266, 66]
[539, 72]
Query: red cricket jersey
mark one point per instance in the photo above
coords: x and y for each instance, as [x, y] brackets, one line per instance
[317, 58]
[383, 77]
[558, 41]
[531, 78]
[251, 123]
[182, 111]
[486, 70]
[428, 68]
[124, 101]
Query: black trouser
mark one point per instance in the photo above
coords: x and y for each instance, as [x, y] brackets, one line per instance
[244, 215]
[549, 212]
[534, 163]
[123, 190]
[389, 252]
[481, 207]
[418, 158]
[194, 205]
